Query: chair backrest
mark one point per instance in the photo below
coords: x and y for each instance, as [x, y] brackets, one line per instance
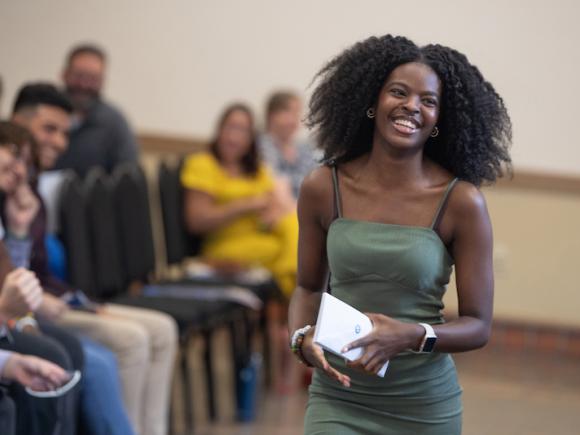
[74, 233]
[134, 218]
[104, 235]
[178, 243]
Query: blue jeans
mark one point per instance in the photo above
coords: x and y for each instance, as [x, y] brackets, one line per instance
[102, 408]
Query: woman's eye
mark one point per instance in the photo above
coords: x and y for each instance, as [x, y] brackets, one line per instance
[397, 92]
[431, 102]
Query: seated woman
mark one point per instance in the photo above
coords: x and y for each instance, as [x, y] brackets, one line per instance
[245, 217]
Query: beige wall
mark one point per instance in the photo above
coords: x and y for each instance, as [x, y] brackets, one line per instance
[175, 63]
[536, 256]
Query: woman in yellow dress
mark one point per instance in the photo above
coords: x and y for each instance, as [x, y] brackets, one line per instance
[245, 216]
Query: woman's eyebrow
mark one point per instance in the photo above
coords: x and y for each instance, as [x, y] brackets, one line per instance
[405, 85]
[398, 83]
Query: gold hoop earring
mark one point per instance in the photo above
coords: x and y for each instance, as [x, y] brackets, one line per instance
[435, 132]
[371, 113]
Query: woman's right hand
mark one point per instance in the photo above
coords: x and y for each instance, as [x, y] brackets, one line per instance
[20, 293]
[257, 203]
[314, 354]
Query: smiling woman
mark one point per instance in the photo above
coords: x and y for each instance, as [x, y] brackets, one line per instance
[407, 107]
[473, 127]
[408, 134]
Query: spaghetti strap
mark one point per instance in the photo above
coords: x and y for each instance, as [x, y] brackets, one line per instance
[337, 199]
[442, 204]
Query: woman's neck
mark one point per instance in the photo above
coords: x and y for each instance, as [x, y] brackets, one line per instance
[394, 168]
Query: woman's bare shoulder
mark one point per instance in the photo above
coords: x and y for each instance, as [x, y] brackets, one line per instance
[316, 194]
[467, 201]
[318, 183]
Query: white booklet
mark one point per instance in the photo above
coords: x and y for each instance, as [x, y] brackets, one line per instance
[339, 324]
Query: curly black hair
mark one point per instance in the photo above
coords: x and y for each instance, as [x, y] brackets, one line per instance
[474, 127]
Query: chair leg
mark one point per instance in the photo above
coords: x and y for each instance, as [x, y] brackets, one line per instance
[241, 351]
[266, 348]
[235, 363]
[208, 362]
[186, 386]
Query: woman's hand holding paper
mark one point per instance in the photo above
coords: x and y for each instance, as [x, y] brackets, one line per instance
[314, 354]
[388, 338]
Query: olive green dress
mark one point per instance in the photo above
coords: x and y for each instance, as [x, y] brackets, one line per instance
[402, 272]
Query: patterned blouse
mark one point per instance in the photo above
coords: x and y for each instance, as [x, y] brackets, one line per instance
[306, 160]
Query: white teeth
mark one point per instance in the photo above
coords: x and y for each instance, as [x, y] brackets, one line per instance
[405, 123]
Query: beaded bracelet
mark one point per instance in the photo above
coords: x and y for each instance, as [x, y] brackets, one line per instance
[296, 344]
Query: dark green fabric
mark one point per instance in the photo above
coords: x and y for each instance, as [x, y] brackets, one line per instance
[402, 272]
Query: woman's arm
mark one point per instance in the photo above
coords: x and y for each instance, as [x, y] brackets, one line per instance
[472, 249]
[203, 214]
[314, 215]
[467, 221]
[312, 263]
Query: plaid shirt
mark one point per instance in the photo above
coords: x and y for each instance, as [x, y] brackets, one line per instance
[306, 160]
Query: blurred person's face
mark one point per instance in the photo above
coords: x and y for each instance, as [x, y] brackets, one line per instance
[49, 126]
[8, 179]
[284, 124]
[83, 79]
[22, 162]
[235, 137]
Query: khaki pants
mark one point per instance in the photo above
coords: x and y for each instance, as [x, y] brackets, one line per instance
[144, 342]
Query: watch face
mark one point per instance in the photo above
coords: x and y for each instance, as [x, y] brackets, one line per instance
[429, 344]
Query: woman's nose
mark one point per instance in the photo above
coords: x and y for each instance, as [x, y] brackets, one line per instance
[411, 104]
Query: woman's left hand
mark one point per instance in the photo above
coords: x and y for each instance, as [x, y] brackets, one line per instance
[388, 338]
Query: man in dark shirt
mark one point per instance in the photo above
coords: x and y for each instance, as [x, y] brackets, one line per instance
[100, 135]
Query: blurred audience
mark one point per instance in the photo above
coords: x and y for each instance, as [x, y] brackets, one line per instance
[99, 133]
[22, 295]
[144, 341]
[102, 409]
[240, 197]
[19, 293]
[245, 217]
[290, 157]
[232, 202]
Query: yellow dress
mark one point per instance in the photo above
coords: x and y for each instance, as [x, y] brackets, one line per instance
[244, 239]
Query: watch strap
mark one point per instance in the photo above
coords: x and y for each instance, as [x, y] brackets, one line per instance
[429, 339]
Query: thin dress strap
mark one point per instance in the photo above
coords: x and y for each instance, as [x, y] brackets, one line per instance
[337, 213]
[442, 204]
[337, 200]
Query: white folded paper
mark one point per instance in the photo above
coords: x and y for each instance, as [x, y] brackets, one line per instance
[339, 324]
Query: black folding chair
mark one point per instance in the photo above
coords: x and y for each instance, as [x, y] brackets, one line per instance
[132, 208]
[93, 231]
[74, 233]
[181, 245]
